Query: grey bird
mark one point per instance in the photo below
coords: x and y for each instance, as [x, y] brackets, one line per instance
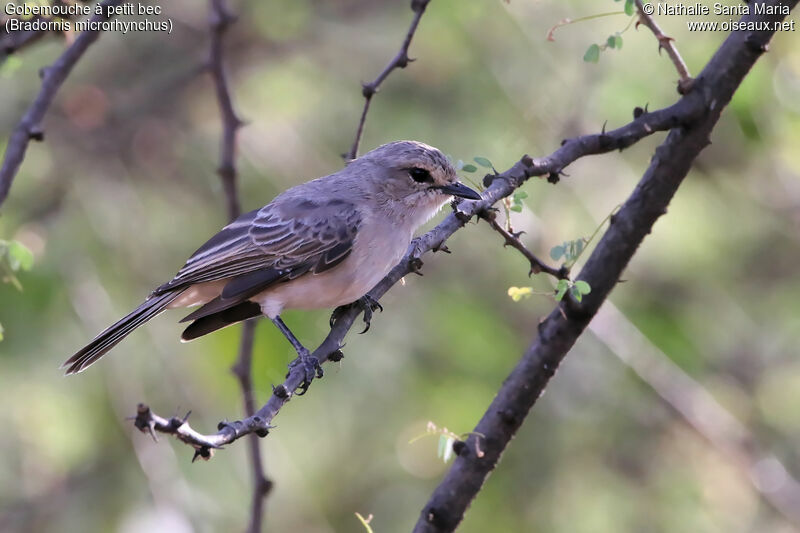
[322, 244]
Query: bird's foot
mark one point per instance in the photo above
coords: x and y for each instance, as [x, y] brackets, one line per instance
[311, 367]
[369, 305]
[366, 303]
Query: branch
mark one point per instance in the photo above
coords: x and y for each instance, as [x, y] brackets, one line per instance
[12, 41]
[668, 44]
[29, 127]
[220, 19]
[690, 108]
[512, 239]
[400, 60]
[559, 331]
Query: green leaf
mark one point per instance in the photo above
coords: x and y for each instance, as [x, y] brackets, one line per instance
[611, 42]
[592, 55]
[561, 289]
[19, 256]
[469, 168]
[516, 208]
[482, 161]
[560, 293]
[629, 7]
[520, 195]
[556, 252]
[618, 41]
[576, 293]
[583, 287]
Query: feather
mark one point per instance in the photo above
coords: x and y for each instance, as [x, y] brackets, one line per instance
[219, 320]
[109, 337]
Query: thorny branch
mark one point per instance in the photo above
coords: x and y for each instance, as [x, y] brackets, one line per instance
[400, 60]
[559, 331]
[29, 127]
[512, 239]
[668, 44]
[219, 20]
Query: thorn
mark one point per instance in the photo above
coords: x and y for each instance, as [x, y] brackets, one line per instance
[185, 418]
[203, 452]
[36, 133]
[459, 446]
[367, 90]
[603, 130]
[415, 265]
[441, 248]
[280, 391]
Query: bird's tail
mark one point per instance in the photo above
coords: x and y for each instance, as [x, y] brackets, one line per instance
[110, 336]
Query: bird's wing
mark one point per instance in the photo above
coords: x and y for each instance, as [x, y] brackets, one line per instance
[280, 241]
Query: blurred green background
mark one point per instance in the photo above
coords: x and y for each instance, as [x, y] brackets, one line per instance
[124, 189]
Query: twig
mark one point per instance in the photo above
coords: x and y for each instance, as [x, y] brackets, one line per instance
[29, 127]
[220, 19]
[559, 331]
[512, 239]
[12, 41]
[400, 60]
[668, 44]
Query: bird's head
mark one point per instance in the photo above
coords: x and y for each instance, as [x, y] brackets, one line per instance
[414, 174]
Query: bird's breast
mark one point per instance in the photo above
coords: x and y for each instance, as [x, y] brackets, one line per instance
[378, 247]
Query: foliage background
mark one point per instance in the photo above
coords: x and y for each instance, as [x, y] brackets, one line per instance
[124, 189]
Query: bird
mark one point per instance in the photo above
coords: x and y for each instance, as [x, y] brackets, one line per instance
[321, 244]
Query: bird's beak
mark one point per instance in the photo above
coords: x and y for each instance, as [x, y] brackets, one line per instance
[460, 190]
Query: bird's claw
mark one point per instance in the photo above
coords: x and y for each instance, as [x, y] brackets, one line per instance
[312, 369]
[366, 303]
[369, 305]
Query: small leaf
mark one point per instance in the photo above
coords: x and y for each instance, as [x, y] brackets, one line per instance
[482, 161]
[469, 168]
[611, 42]
[618, 41]
[560, 293]
[629, 7]
[516, 208]
[556, 252]
[576, 293]
[20, 256]
[520, 195]
[583, 287]
[592, 54]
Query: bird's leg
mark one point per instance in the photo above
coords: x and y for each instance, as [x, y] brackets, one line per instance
[310, 363]
[366, 303]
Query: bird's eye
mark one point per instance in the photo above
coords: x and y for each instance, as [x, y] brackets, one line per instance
[420, 175]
